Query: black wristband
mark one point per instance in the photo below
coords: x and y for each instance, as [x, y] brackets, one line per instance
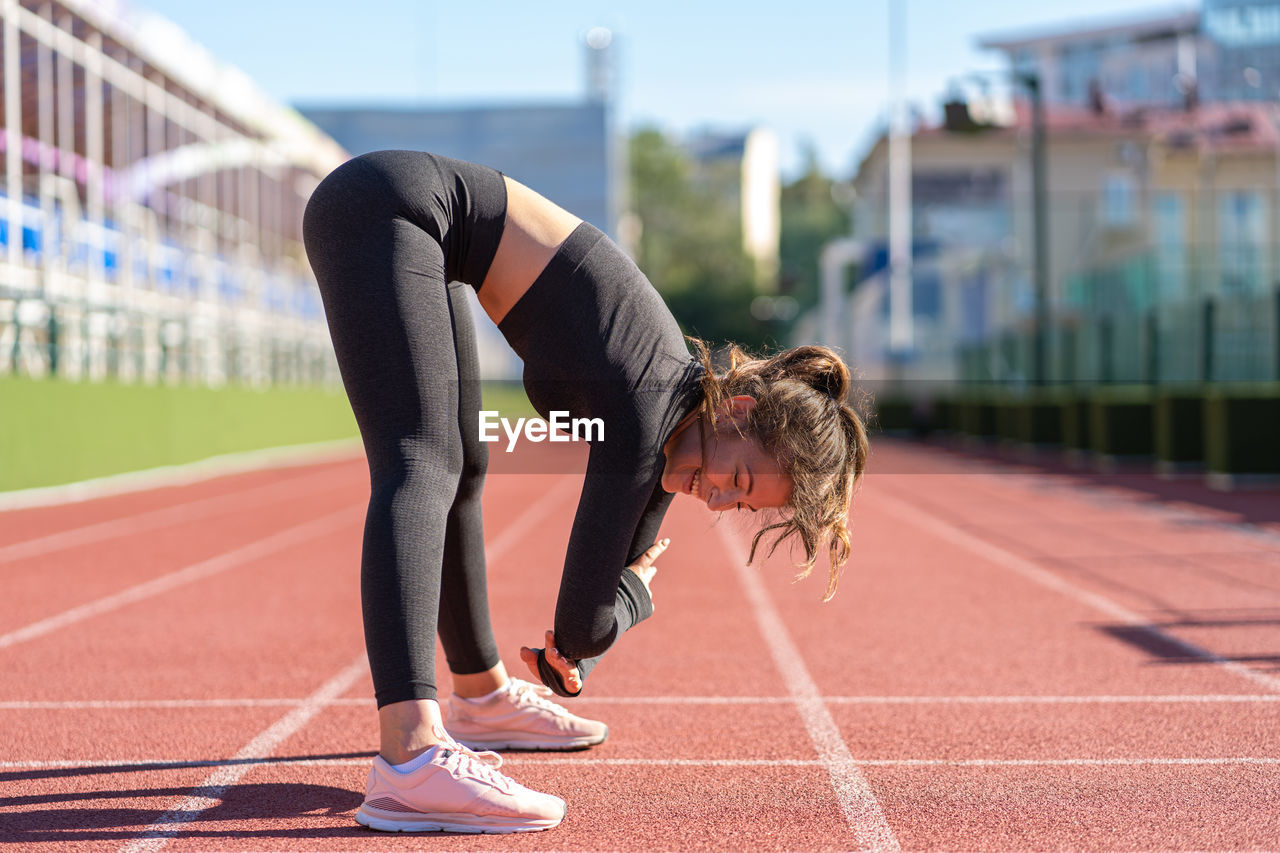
[632, 590]
[551, 676]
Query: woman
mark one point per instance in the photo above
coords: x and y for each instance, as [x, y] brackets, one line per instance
[386, 233]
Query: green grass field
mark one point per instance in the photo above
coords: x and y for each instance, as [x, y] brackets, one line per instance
[54, 432]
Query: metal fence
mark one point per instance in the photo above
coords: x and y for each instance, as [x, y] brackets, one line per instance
[150, 208]
[1217, 339]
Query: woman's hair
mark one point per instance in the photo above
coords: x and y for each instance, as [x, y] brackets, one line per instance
[803, 419]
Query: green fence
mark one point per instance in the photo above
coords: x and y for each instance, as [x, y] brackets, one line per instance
[1188, 381]
[1106, 332]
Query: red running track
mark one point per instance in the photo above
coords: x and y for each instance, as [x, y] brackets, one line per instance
[1017, 659]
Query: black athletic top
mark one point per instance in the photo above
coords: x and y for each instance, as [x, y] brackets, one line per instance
[598, 341]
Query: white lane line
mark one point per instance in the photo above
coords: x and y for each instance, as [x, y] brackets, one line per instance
[154, 519]
[348, 701]
[509, 537]
[1050, 580]
[1205, 699]
[1053, 700]
[135, 704]
[116, 704]
[1067, 762]
[900, 762]
[215, 785]
[149, 765]
[517, 530]
[1099, 496]
[185, 474]
[666, 762]
[258, 750]
[858, 802]
[212, 566]
[685, 700]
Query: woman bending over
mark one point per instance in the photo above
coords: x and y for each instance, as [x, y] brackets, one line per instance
[393, 237]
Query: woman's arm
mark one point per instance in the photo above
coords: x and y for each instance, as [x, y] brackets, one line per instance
[559, 667]
[597, 602]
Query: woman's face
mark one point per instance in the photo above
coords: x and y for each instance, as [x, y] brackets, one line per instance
[735, 473]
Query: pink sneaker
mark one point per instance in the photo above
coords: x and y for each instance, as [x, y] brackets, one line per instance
[522, 717]
[456, 791]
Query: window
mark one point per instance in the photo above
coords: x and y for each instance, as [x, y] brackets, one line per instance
[1169, 223]
[1242, 231]
[1079, 65]
[1119, 200]
[1136, 87]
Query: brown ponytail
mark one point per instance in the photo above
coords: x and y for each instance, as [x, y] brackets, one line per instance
[801, 417]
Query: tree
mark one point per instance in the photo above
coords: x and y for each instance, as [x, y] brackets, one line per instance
[690, 243]
[811, 217]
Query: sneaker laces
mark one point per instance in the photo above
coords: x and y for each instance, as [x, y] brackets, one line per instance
[478, 765]
[523, 692]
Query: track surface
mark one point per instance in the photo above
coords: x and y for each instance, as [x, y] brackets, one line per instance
[1015, 660]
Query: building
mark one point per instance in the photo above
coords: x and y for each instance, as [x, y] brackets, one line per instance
[743, 169]
[1227, 51]
[965, 191]
[1243, 43]
[151, 207]
[568, 152]
[1150, 60]
[1151, 217]
[563, 151]
[1162, 205]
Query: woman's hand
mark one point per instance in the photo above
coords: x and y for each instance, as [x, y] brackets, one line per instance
[645, 567]
[568, 672]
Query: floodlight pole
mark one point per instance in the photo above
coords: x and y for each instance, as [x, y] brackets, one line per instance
[901, 311]
[1040, 232]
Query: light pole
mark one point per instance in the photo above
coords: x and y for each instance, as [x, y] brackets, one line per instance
[901, 311]
[1040, 232]
[1039, 221]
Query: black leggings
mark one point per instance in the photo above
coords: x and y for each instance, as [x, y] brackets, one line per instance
[385, 234]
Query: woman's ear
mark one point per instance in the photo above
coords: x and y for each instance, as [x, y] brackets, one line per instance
[736, 408]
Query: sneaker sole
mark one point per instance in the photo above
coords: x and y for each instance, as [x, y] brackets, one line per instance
[470, 824]
[530, 743]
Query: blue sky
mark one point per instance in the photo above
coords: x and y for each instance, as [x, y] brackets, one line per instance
[814, 70]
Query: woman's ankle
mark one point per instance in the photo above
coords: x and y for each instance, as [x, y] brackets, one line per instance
[408, 729]
[480, 684]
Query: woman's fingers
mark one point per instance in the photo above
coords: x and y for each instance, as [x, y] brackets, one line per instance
[652, 553]
[567, 670]
[530, 658]
[644, 567]
[646, 574]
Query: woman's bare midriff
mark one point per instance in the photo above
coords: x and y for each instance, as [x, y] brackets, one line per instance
[534, 230]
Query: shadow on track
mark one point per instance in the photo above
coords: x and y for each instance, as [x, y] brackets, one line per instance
[1163, 650]
[87, 815]
[71, 816]
[1139, 483]
[151, 766]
